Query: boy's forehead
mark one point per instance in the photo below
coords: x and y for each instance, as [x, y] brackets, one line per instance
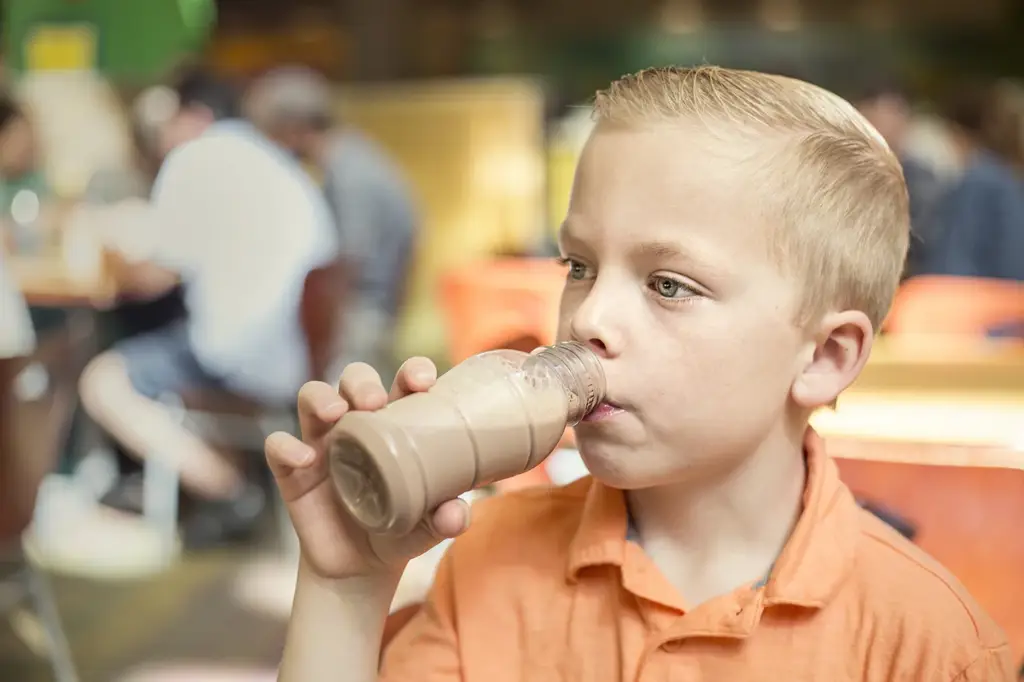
[662, 167]
[662, 184]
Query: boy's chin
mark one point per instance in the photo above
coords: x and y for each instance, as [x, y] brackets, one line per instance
[613, 465]
[628, 467]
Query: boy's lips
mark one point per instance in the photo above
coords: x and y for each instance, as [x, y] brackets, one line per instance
[605, 410]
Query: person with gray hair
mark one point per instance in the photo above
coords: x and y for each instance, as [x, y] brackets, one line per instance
[371, 201]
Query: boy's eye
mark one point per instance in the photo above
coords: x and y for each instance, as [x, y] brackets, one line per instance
[670, 288]
[577, 270]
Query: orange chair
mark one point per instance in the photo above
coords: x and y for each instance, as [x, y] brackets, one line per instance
[958, 306]
[502, 303]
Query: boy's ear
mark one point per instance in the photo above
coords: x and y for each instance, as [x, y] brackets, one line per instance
[842, 345]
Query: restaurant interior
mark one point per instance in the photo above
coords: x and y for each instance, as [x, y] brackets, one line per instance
[482, 106]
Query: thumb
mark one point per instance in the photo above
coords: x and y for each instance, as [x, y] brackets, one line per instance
[449, 520]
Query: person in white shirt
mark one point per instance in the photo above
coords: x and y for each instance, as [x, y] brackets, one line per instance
[239, 223]
[371, 201]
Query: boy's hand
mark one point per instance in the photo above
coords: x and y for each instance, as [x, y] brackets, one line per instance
[333, 546]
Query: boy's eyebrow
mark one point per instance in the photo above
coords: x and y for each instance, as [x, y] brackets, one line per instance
[693, 255]
[659, 249]
[652, 250]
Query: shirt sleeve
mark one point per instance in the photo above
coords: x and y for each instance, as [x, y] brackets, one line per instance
[992, 665]
[427, 648]
[204, 190]
[172, 201]
[243, 230]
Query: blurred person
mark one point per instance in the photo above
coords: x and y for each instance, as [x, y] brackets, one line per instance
[111, 187]
[981, 218]
[887, 107]
[370, 200]
[240, 225]
[115, 187]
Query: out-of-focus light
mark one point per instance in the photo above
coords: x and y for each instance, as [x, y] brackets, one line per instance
[25, 207]
[156, 106]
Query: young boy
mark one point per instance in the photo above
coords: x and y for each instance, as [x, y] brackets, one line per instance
[733, 242]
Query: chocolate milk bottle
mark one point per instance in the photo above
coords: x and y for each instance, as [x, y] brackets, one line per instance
[496, 415]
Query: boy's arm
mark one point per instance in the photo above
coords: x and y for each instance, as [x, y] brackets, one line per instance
[335, 629]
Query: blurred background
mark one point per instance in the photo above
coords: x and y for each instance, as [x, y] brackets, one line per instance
[437, 141]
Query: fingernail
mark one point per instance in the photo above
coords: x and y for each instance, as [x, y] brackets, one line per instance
[304, 455]
[295, 452]
[298, 453]
[275, 440]
[424, 376]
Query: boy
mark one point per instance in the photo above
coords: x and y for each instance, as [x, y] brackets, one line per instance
[733, 241]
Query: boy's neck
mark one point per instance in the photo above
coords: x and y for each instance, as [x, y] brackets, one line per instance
[710, 537]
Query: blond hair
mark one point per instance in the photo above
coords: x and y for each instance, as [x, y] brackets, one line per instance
[828, 181]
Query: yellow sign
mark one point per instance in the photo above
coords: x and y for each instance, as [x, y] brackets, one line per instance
[68, 47]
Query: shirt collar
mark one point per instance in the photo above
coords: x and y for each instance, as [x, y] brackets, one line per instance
[812, 566]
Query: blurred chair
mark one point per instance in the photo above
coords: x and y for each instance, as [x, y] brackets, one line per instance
[492, 303]
[962, 306]
[241, 423]
[36, 406]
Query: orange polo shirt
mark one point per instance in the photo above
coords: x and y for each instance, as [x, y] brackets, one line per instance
[546, 586]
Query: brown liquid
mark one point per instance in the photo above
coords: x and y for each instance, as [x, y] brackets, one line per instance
[494, 416]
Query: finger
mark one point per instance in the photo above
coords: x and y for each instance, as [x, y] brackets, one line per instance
[414, 376]
[362, 388]
[319, 407]
[286, 453]
[451, 519]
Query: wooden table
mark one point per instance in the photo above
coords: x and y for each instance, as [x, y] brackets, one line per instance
[47, 281]
[70, 268]
[942, 402]
[944, 365]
